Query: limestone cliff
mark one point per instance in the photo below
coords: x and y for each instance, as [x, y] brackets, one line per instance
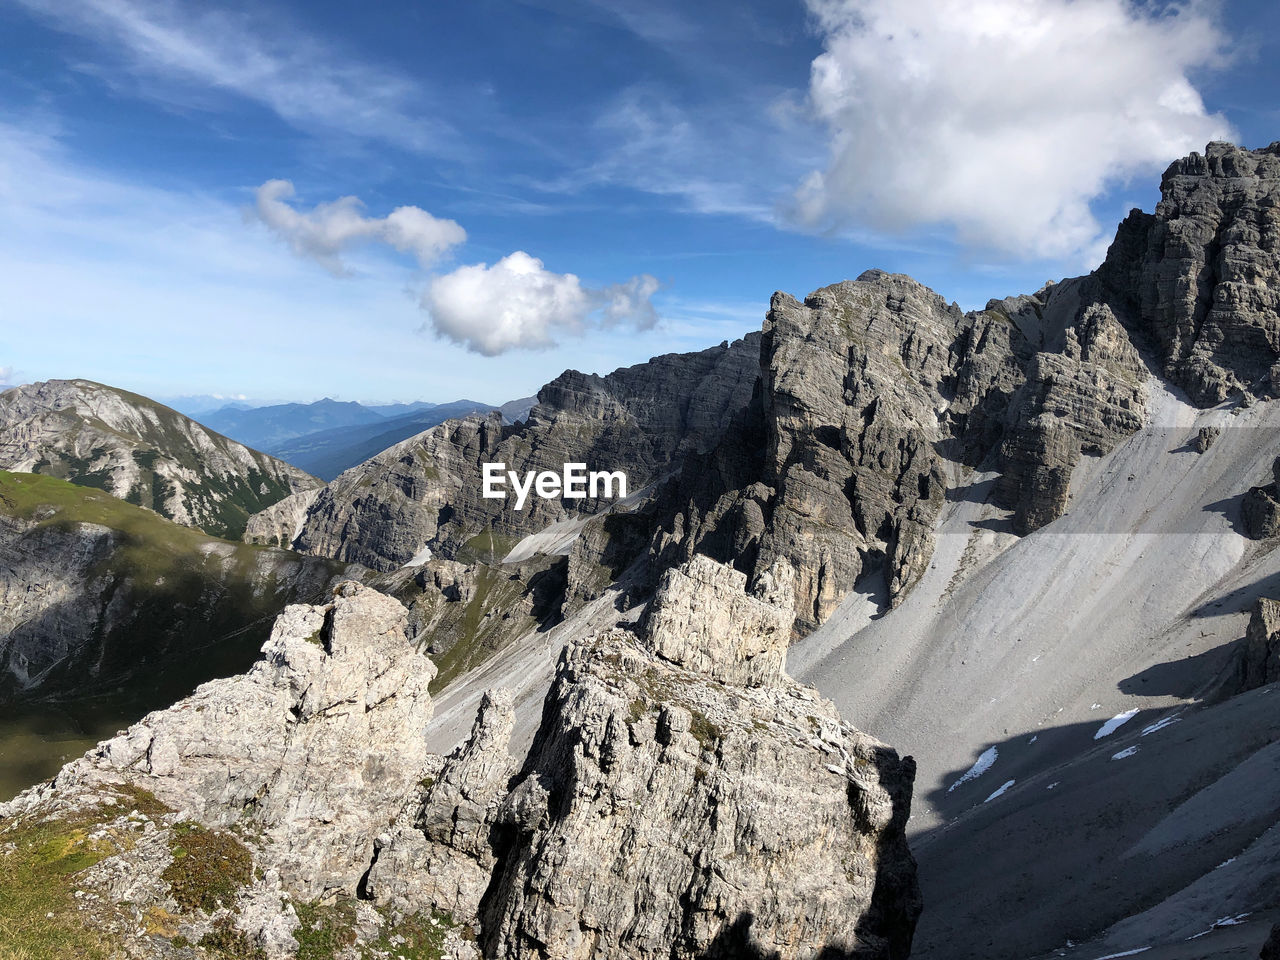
[142, 452]
[1202, 273]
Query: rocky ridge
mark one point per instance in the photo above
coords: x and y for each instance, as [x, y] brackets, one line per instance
[661, 812]
[142, 452]
[426, 491]
[870, 402]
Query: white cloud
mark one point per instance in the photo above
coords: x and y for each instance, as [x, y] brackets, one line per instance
[1001, 118]
[323, 232]
[308, 83]
[517, 304]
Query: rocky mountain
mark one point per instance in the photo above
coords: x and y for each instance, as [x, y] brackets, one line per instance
[426, 491]
[296, 807]
[327, 453]
[142, 452]
[108, 610]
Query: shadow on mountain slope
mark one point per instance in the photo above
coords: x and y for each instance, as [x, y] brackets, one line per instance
[1072, 830]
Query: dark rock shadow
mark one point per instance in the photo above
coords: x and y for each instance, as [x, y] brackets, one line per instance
[1240, 599]
[1182, 678]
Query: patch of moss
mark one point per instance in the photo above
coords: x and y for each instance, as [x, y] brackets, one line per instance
[325, 929]
[636, 711]
[209, 867]
[228, 943]
[704, 731]
[414, 938]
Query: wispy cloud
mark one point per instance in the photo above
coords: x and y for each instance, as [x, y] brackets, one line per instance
[313, 85]
[327, 229]
[713, 158]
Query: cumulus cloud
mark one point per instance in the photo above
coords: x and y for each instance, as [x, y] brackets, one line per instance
[1001, 118]
[326, 230]
[517, 304]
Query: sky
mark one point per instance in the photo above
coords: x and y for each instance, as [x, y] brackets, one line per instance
[402, 201]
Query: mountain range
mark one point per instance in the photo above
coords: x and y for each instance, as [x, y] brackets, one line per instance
[328, 436]
[1032, 547]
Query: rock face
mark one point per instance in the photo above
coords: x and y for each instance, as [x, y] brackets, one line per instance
[318, 743]
[1271, 949]
[261, 797]
[663, 813]
[1261, 661]
[703, 619]
[874, 395]
[1260, 508]
[426, 491]
[1203, 272]
[440, 850]
[280, 524]
[142, 452]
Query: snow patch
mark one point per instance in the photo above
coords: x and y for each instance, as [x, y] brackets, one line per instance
[418, 559]
[1115, 723]
[1160, 725]
[1238, 919]
[980, 766]
[1003, 787]
[1127, 953]
[1127, 752]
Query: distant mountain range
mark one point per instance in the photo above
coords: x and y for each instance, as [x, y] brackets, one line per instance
[266, 427]
[326, 453]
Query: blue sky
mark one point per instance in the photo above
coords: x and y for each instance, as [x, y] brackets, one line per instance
[561, 183]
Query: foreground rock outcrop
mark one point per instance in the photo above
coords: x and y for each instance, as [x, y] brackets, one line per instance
[662, 814]
[280, 779]
[1260, 660]
[141, 451]
[683, 798]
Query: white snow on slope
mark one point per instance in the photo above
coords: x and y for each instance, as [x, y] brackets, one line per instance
[1160, 725]
[1126, 752]
[980, 766]
[1000, 792]
[1115, 723]
[418, 559]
